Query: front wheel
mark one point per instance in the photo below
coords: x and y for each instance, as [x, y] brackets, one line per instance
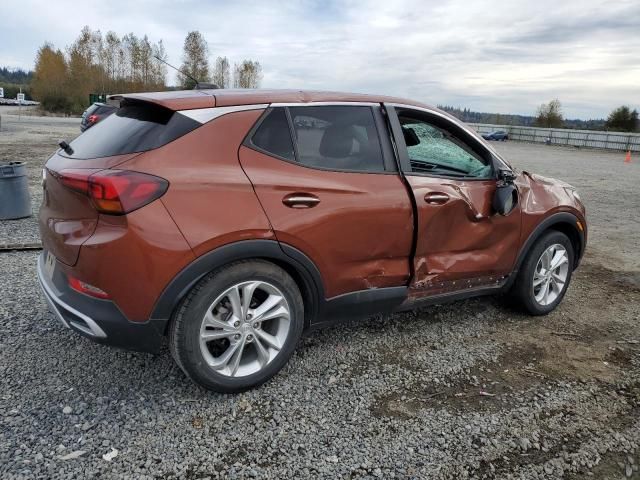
[238, 326]
[545, 274]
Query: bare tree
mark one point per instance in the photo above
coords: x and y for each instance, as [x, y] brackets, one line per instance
[222, 73]
[159, 68]
[195, 59]
[549, 115]
[247, 74]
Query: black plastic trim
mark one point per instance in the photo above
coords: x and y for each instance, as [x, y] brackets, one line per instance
[360, 304]
[384, 135]
[118, 329]
[285, 255]
[565, 218]
[449, 297]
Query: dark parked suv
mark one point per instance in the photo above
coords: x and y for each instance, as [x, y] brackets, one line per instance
[230, 221]
[95, 113]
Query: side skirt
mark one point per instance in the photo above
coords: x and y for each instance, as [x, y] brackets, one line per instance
[443, 298]
[365, 303]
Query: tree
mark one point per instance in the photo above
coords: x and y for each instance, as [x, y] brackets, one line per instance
[85, 74]
[194, 60]
[247, 74]
[622, 119]
[50, 79]
[549, 115]
[222, 73]
[97, 64]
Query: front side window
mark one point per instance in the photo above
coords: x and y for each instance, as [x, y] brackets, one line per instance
[434, 150]
[337, 137]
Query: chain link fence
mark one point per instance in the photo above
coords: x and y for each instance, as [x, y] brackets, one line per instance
[560, 136]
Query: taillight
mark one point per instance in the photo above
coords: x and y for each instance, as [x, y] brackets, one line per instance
[92, 118]
[86, 288]
[114, 192]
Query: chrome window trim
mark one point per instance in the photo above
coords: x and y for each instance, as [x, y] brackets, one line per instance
[325, 104]
[460, 124]
[204, 115]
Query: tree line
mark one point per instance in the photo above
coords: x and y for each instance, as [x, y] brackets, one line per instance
[108, 63]
[621, 119]
[550, 115]
[96, 63]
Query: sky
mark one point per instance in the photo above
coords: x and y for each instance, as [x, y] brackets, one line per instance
[491, 56]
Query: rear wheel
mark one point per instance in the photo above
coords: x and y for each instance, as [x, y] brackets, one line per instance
[545, 274]
[238, 326]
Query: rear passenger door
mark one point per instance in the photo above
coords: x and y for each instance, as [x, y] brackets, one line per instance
[326, 177]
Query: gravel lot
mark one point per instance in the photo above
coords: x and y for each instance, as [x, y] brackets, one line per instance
[468, 390]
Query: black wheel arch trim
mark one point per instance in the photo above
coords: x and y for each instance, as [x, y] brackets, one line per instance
[286, 256]
[560, 218]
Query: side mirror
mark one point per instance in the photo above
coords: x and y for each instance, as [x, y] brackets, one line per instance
[505, 199]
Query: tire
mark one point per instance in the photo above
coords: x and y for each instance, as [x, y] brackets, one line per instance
[532, 297]
[202, 359]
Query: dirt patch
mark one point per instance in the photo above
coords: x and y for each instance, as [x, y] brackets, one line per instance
[581, 346]
[490, 386]
[615, 466]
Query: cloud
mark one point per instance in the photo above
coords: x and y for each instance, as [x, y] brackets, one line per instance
[486, 55]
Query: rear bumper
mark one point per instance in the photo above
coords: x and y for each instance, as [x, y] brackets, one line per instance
[100, 320]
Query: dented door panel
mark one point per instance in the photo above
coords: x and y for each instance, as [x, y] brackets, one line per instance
[461, 239]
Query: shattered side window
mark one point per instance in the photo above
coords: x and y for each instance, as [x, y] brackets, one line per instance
[434, 150]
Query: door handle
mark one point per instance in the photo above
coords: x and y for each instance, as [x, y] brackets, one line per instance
[300, 200]
[436, 198]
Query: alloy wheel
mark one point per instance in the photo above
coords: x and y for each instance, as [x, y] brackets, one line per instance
[550, 275]
[244, 328]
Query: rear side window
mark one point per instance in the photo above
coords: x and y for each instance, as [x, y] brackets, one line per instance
[104, 109]
[274, 136]
[337, 138]
[134, 127]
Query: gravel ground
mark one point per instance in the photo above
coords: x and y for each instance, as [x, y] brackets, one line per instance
[31, 140]
[468, 390]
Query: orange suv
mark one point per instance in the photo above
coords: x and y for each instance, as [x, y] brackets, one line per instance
[230, 221]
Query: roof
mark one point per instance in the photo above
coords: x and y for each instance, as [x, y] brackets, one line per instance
[192, 99]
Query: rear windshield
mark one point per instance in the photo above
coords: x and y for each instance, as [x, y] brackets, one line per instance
[135, 127]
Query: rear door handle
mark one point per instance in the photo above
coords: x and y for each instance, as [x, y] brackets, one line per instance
[300, 200]
[436, 198]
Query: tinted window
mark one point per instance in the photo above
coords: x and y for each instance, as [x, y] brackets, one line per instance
[337, 137]
[104, 110]
[274, 136]
[132, 128]
[433, 149]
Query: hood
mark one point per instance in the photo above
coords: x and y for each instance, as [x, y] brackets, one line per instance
[547, 181]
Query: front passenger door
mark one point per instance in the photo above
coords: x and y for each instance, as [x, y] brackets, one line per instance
[460, 242]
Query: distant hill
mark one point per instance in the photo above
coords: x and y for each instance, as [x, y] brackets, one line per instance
[16, 76]
[470, 116]
[12, 80]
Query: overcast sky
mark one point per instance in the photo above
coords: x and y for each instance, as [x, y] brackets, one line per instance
[494, 56]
